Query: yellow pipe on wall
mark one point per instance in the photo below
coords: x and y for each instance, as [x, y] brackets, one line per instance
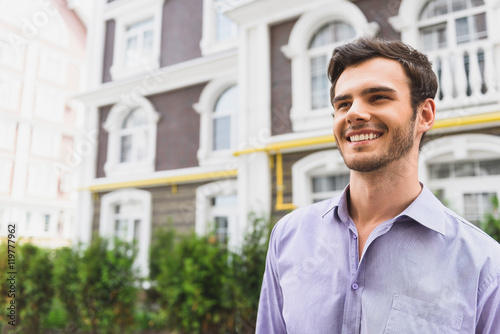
[279, 185]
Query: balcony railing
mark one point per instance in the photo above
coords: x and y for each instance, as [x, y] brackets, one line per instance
[467, 75]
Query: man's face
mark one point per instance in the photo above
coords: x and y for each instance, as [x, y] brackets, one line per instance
[373, 123]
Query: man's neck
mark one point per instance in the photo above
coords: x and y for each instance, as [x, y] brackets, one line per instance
[375, 197]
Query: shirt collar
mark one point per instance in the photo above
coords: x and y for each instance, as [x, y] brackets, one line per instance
[426, 210]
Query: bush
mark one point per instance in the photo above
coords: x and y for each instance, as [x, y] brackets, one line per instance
[204, 288]
[66, 264]
[491, 223]
[35, 288]
[106, 291]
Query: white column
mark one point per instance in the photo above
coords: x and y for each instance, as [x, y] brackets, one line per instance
[85, 207]
[254, 177]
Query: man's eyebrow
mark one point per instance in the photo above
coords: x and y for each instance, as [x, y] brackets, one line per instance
[365, 92]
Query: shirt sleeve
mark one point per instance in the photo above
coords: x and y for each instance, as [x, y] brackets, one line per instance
[270, 315]
[488, 311]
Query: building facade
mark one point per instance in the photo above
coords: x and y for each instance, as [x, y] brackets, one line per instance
[204, 111]
[42, 64]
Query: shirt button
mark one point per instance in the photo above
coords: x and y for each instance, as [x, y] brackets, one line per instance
[355, 286]
[354, 236]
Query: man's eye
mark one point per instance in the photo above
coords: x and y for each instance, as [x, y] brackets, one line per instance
[342, 105]
[379, 97]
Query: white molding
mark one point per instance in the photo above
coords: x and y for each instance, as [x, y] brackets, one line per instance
[113, 166]
[107, 228]
[297, 50]
[203, 195]
[328, 161]
[192, 72]
[205, 107]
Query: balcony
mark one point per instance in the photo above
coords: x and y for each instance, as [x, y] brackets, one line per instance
[468, 79]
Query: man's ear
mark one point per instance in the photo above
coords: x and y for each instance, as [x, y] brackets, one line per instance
[426, 115]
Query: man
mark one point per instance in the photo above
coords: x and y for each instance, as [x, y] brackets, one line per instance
[385, 256]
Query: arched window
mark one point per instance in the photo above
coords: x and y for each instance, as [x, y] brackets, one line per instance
[217, 211]
[309, 48]
[464, 172]
[224, 115]
[322, 43]
[318, 176]
[132, 138]
[126, 214]
[455, 35]
[218, 108]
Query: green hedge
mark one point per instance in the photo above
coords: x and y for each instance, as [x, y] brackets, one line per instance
[197, 286]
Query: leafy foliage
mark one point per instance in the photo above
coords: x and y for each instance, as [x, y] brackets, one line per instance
[491, 223]
[35, 288]
[106, 290]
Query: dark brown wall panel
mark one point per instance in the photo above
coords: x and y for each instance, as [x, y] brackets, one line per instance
[181, 31]
[102, 146]
[109, 46]
[281, 79]
[178, 132]
[380, 11]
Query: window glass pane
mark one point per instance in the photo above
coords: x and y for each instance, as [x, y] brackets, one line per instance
[141, 144]
[225, 200]
[439, 171]
[331, 33]
[462, 29]
[135, 118]
[121, 229]
[330, 183]
[126, 148]
[228, 101]
[457, 5]
[434, 8]
[434, 37]
[319, 83]
[491, 167]
[464, 169]
[147, 43]
[46, 226]
[225, 28]
[222, 133]
[476, 3]
[137, 229]
[480, 29]
[221, 229]
[476, 205]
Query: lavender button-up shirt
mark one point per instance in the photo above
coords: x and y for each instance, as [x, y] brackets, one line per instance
[425, 271]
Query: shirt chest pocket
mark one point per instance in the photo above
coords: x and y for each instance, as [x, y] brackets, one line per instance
[409, 315]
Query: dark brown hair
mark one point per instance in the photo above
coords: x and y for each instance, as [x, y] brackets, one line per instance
[421, 78]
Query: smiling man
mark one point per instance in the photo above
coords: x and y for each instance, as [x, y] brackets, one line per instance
[385, 256]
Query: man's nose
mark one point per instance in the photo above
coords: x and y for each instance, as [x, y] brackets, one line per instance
[358, 112]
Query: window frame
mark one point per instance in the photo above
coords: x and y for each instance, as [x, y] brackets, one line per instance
[302, 116]
[205, 211]
[322, 163]
[126, 14]
[205, 108]
[457, 149]
[107, 222]
[209, 43]
[113, 166]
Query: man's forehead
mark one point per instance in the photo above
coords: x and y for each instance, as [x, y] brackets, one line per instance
[373, 72]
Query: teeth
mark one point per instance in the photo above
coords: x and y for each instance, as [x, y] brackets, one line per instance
[361, 137]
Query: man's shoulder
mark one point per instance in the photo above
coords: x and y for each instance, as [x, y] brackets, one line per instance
[308, 215]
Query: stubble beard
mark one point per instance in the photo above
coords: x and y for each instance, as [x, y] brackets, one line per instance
[401, 143]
